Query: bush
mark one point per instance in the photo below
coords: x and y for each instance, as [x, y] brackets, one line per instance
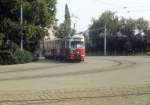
[23, 56]
[1, 60]
[6, 57]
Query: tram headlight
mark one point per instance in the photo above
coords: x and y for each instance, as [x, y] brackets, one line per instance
[78, 52]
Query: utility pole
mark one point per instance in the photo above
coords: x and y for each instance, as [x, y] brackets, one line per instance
[105, 38]
[21, 21]
[105, 41]
[74, 23]
[74, 26]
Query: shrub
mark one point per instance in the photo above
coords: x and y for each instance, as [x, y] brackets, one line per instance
[6, 57]
[22, 56]
[1, 60]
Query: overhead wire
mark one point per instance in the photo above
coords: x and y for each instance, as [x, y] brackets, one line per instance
[124, 5]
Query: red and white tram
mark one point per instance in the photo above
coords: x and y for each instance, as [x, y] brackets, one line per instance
[69, 48]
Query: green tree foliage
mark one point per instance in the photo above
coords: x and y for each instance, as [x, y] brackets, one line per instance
[22, 56]
[96, 30]
[67, 22]
[124, 36]
[60, 31]
[64, 29]
[38, 15]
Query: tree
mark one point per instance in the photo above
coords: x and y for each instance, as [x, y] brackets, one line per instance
[60, 31]
[38, 15]
[121, 36]
[96, 30]
[64, 29]
[67, 22]
[142, 26]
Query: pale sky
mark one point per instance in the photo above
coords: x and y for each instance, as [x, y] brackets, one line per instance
[85, 10]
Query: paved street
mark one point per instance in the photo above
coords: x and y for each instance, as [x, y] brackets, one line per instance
[120, 80]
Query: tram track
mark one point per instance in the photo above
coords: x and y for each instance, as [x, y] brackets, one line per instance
[133, 88]
[33, 68]
[119, 65]
[47, 96]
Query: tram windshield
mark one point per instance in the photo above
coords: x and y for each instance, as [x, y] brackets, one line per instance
[77, 44]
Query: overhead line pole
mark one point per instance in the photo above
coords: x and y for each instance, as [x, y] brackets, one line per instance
[105, 38]
[21, 21]
[105, 41]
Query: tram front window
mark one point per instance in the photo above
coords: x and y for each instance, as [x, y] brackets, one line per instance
[77, 44]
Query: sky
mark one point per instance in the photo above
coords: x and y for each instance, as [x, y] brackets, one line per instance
[82, 11]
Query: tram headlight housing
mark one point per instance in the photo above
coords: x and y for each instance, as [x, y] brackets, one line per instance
[71, 51]
[78, 52]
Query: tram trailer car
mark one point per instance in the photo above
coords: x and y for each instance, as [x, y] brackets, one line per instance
[69, 48]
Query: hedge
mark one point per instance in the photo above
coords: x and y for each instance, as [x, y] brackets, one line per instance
[18, 57]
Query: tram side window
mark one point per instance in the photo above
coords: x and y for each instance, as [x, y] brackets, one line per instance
[67, 44]
[63, 44]
[46, 44]
[56, 44]
[53, 44]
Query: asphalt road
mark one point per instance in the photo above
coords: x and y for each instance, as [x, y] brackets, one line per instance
[118, 80]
